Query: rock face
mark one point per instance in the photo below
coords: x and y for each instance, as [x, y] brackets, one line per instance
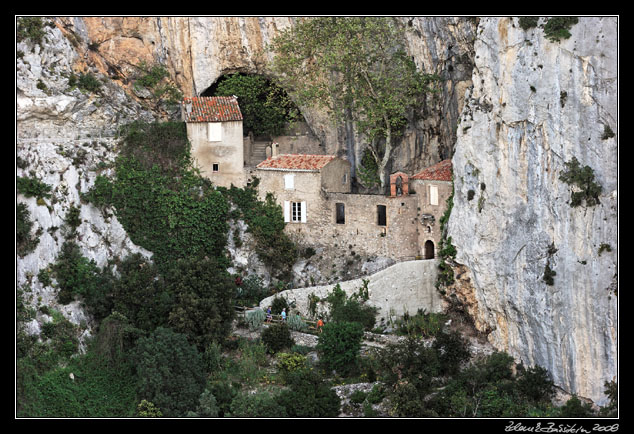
[536, 104]
[530, 105]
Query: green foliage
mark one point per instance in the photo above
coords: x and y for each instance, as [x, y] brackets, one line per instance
[535, 384]
[290, 362]
[583, 179]
[251, 291]
[96, 390]
[575, 408]
[278, 304]
[309, 396]
[422, 324]
[163, 204]
[339, 345]
[207, 406]
[351, 309]
[265, 107]
[368, 171]
[148, 409]
[25, 243]
[259, 404]
[357, 70]
[85, 82]
[612, 392]
[447, 251]
[75, 274]
[101, 194]
[202, 300]
[169, 371]
[155, 78]
[528, 22]
[296, 323]
[33, 187]
[549, 274]
[452, 351]
[265, 221]
[557, 28]
[31, 28]
[277, 337]
[255, 319]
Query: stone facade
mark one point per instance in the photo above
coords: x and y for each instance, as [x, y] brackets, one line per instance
[214, 129]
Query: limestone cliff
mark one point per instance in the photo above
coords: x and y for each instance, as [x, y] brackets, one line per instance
[514, 107]
[535, 104]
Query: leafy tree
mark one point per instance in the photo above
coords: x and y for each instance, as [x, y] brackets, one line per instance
[357, 69]
[277, 337]
[169, 372]
[309, 396]
[203, 306]
[265, 107]
[259, 404]
[339, 345]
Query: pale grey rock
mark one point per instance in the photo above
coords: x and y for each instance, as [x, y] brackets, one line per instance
[514, 140]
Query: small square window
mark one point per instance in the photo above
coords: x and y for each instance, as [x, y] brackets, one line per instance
[215, 167]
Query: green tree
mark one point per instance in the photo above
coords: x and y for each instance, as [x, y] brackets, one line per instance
[169, 372]
[265, 107]
[339, 345]
[203, 300]
[309, 396]
[357, 69]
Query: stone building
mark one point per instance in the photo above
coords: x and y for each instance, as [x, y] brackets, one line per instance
[314, 190]
[432, 187]
[214, 129]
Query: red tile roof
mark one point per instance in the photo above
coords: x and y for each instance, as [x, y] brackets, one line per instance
[211, 109]
[296, 162]
[438, 172]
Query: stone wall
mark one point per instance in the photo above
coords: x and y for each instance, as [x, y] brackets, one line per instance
[429, 215]
[228, 154]
[403, 287]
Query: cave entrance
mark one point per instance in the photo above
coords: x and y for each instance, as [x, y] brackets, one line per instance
[267, 110]
[429, 249]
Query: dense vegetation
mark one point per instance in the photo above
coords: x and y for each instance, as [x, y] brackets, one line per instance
[265, 106]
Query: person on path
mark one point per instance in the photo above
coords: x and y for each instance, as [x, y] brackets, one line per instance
[284, 315]
[320, 324]
[269, 317]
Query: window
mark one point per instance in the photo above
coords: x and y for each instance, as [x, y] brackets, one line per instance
[341, 213]
[289, 182]
[214, 131]
[215, 167]
[433, 195]
[345, 178]
[381, 213]
[294, 212]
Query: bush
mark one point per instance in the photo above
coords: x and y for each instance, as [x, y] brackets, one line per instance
[288, 363]
[75, 274]
[339, 345]
[452, 350]
[259, 404]
[583, 179]
[309, 396]
[25, 243]
[33, 187]
[169, 372]
[277, 337]
[203, 305]
[255, 319]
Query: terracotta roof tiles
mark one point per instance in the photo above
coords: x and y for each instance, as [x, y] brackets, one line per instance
[296, 162]
[438, 172]
[211, 109]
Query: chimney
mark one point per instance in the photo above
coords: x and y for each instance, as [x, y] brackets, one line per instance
[274, 149]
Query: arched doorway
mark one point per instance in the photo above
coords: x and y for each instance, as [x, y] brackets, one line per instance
[429, 249]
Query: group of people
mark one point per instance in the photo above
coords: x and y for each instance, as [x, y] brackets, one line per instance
[269, 318]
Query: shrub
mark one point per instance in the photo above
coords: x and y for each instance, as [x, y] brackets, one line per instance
[309, 396]
[75, 274]
[259, 404]
[535, 384]
[557, 28]
[339, 345]
[290, 362]
[255, 319]
[25, 243]
[583, 179]
[202, 306]
[33, 187]
[169, 371]
[452, 350]
[528, 22]
[277, 337]
[278, 304]
[296, 323]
